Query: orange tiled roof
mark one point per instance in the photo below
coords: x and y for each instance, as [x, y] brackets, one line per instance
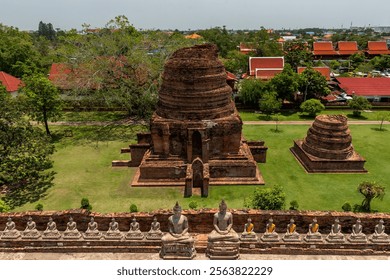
[378, 47]
[324, 71]
[10, 82]
[347, 47]
[323, 48]
[365, 86]
[267, 74]
[265, 63]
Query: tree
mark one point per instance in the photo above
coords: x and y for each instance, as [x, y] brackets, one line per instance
[297, 53]
[358, 104]
[370, 191]
[24, 155]
[312, 84]
[269, 104]
[251, 90]
[267, 199]
[43, 99]
[286, 83]
[312, 107]
[236, 62]
[382, 117]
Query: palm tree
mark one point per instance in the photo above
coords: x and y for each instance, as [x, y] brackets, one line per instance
[370, 190]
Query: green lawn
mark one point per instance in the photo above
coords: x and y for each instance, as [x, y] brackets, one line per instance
[93, 116]
[83, 166]
[292, 115]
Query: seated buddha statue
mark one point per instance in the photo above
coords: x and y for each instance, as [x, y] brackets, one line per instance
[248, 232]
[178, 227]
[291, 232]
[223, 223]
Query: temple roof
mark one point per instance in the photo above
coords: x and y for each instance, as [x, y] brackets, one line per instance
[365, 86]
[10, 82]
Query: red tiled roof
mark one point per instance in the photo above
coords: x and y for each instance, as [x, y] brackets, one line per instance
[378, 47]
[267, 74]
[347, 47]
[246, 48]
[323, 48]
[324, 71]
[365, 86]
[265, 63]
[230, 76]
[10, 82]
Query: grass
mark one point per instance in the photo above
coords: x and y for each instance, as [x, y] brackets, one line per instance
[101, 116]
[83, 166]
[292, 115]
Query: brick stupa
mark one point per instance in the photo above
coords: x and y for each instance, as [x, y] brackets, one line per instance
[195, 134]
[328, 148]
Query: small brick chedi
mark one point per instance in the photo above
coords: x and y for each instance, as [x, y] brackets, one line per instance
[195, 134]
[328, 147]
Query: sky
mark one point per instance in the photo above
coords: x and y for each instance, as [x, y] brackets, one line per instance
[196, 14]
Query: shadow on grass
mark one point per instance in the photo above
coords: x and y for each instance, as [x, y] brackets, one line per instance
[379, 129]
[274, 130]
[306, 117]
[352, 116]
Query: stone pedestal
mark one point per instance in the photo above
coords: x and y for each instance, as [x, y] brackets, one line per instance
[51, 235]
[93, 235]
[382, 238]
[74, 234]
[249, 237]
[223, 250]
[11, 234]
[134, 235]
[294, 237]
[154, 235]
[313, 238]
[270, 237]
[113, 235]
[31, 234]
[360, 238]
[335, 238]
[177, 251]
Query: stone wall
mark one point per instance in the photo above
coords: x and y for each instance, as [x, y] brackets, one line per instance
[200, 221]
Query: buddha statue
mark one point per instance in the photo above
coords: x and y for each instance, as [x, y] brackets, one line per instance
[177, 242]
[313, 234]
[134, 231]
[270, 231]
[223, 241]
[30, 230]
[357, 234]
[92, 231]
[379, 235]
[248, 233]
[223, 223]
[335, 234]
[291, 232]
[71, 230]
[51, 230]
[155, 231]
[10, 231]
[113, 230]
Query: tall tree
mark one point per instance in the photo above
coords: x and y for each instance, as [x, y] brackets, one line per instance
[312, 84]
[297, 53]
[24, 155]
[43, 99]
[370, 191]
[286, 83]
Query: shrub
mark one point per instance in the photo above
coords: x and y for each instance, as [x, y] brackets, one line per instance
[267, 199]
[193, 205]
[358, 104]
[312, 107]
[39, 207]
[133, 208]
[3, 206]
[346, 207]
[85, 204]
[294, 205]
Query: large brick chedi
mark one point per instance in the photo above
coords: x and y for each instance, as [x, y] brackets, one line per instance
[328, 147]
[196, 132]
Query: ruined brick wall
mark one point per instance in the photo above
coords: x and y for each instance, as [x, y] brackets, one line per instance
[200, 221]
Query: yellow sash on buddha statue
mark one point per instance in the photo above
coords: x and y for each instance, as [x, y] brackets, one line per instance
[292, 228]
[314, 228]
[271, 228]
[249, 228]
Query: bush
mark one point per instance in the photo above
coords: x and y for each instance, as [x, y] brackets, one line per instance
[85, 204]
[133, 208]
[193, 205]
[358, 104]
[3, 206]
[294, 205]
[312, 107]
[267, 199]
[346, 207]
[39, 207]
